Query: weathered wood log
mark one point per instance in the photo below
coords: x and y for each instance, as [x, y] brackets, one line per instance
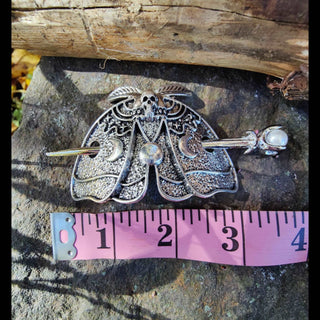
[270, 37]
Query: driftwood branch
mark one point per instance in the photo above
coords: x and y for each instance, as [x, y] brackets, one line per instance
[270, 37]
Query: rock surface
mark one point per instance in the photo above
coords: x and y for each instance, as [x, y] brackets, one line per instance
[63, 100]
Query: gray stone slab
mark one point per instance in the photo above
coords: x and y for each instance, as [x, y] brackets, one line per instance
[63, 100]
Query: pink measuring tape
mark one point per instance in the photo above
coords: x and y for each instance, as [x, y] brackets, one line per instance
[249, 238]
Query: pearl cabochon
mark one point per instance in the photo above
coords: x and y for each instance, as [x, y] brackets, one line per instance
[277, 138]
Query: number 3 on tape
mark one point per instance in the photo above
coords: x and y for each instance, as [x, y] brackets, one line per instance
[252, 238]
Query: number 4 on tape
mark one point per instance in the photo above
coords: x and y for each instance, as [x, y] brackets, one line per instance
[252, 238]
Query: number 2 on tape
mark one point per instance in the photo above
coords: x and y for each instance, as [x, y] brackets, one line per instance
[252, 238]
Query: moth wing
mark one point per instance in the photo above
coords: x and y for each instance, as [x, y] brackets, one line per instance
[171, 181]
[134, 182]
[201, 173]
[108, 175]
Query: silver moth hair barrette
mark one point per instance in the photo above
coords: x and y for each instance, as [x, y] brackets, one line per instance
[146, 130]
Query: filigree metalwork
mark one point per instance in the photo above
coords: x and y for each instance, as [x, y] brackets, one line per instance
[143, 131]
[148, 126]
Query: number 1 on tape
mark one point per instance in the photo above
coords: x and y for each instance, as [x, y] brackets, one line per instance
[252, 238]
